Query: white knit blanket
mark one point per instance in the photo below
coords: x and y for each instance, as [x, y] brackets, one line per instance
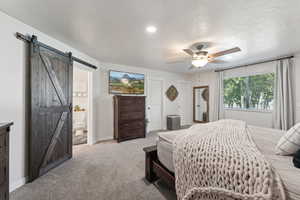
[219, 160]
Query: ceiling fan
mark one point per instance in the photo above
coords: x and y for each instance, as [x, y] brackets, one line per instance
[200, 58]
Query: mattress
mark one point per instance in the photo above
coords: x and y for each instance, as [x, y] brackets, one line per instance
[265, 139]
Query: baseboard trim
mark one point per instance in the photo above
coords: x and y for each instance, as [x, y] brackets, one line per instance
[109, 141]
[15, 185]
[103, 139]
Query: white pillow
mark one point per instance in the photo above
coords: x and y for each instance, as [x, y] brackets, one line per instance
[289, 143]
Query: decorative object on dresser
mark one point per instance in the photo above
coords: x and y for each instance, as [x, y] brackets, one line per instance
[129, 117]
[4, 160]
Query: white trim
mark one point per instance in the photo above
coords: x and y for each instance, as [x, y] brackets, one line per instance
[162, 100]
[90, 120]
[188, 113]
[248, 110]
[103, 139]
[16, 184]
[185, 81]
[259, 69]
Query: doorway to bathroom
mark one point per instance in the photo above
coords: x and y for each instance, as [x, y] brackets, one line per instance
[80, 105]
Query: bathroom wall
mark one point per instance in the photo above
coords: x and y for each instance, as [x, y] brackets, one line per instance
[80, 88]
[80, 97]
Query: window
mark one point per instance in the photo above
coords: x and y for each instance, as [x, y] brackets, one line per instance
[250, 92]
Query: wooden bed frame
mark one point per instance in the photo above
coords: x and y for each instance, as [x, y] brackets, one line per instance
[155, 170]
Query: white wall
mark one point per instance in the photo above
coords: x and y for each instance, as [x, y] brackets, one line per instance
[80, 98]
[207, 79]
[253, 118]
[80, 85]
[12, 86]
[263, 119]
[104, 101]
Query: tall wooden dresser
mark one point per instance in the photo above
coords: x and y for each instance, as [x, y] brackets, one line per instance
[4, 160]
[129, 117]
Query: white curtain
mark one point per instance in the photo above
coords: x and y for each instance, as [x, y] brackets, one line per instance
[284, 104]
[219, 100]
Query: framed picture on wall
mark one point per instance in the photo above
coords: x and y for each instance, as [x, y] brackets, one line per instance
[126, 83]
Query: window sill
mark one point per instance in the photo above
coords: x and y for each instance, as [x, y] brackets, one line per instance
[248, 110]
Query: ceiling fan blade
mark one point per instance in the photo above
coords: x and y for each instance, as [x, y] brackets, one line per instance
[192, 67]
[173, 61]
[217, 61]
[222, 53]
[188, 51]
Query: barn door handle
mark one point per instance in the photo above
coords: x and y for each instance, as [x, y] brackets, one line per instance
[71, 107]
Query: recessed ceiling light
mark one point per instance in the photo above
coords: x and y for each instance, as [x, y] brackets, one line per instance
[151, 29]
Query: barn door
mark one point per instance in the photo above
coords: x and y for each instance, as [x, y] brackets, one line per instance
[50, 120]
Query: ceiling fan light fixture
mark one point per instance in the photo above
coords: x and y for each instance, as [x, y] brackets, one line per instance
[200, 61]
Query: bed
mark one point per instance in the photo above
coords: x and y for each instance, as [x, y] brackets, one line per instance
[160, 158]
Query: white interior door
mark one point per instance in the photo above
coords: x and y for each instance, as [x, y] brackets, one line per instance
[154, 104]
[185, 103]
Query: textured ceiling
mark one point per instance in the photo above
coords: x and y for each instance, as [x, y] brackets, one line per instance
[114, 30]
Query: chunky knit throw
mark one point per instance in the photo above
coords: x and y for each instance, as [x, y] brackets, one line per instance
[219, 160]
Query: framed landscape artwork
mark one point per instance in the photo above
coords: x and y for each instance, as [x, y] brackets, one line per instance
[126, 83]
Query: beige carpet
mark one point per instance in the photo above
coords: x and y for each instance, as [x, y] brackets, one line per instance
[109, 171]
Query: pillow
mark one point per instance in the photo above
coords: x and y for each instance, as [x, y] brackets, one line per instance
[289, 143]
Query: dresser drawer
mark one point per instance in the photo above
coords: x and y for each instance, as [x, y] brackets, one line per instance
[131, 108]
[3, 145]
[126, 116]
[132, 133]
[132, 101]
[132, 125]
[4, 160]
[3, 193]
[3, 172]
[129, 117]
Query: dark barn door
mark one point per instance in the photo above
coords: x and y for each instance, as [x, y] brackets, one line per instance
[50, 113]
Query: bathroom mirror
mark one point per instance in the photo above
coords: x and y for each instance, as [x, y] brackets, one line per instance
[201, 104]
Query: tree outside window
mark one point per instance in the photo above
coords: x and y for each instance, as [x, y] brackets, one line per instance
[250, 92]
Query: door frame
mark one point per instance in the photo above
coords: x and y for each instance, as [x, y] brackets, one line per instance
[90, 119]
[190, 83]
[162, 100]
[194, 101]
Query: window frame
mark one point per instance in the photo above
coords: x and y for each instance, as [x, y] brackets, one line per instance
[248, 109]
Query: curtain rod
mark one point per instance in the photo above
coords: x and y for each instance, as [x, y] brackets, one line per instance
[34, 39]
[255, 63]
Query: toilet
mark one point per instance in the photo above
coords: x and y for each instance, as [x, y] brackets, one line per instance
[79, 122]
